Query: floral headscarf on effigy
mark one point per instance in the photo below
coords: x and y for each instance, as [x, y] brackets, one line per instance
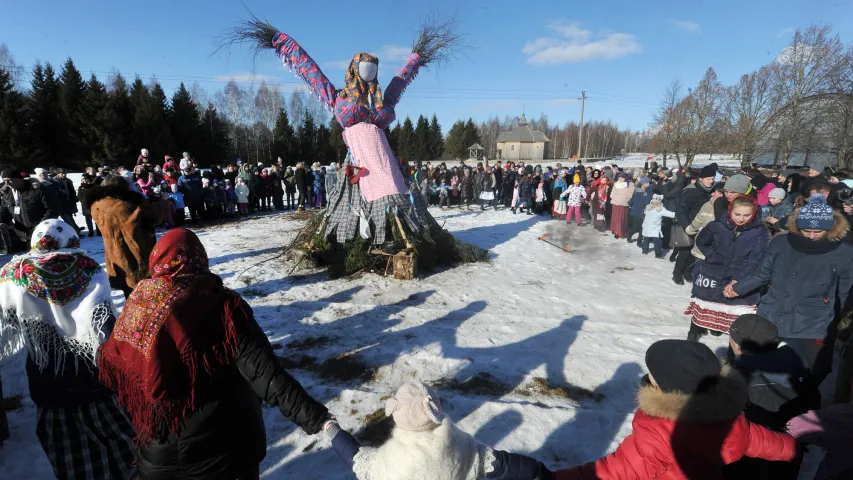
[359, 90]
[54, 299]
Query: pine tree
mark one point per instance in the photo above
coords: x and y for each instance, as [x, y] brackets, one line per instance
[43, 114]
[472, 136]
[161, 115]
[338, 148]
[184, 121]
[394, 138]
[436, 140]
[307, 138]
[119, 137]
[284, 141]
[406, 141]
[421, 143]
[95, 120]
[12, 124]
[322, 146]
[214, 144]
[455, 146]
[72, 91]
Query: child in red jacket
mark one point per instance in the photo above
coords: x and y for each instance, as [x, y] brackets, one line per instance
[689, 423]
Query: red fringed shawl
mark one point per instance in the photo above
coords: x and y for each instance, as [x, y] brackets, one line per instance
[176, 331]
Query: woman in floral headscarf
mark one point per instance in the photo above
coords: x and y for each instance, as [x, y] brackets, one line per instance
[189, 362]
[56, 303]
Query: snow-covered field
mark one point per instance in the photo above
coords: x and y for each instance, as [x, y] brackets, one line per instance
[538, 352]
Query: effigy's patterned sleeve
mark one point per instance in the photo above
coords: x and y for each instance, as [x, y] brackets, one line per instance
[304, 67]
[402, 80]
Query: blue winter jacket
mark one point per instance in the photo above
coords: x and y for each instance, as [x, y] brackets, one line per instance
[807, 280]
[190, 185]
[640, 201]
[731, 253]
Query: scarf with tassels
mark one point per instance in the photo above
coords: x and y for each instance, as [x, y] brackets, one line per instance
[175, 333]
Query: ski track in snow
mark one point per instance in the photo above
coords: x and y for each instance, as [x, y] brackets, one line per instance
[583, 320]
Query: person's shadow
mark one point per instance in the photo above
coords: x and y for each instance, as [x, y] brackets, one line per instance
[591, 433]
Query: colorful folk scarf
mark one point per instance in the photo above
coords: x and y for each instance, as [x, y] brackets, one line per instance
[358, 91]
[55, 289]
[176, 332]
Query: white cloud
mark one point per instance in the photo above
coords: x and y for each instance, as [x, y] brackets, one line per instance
[686, 26]
[574, 44]
[791, 55]
[785, 32]
[246, 77]
[337, 64]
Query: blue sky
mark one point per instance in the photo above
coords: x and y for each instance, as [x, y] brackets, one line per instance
[530, 56]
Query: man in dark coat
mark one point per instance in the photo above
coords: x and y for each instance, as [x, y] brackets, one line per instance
[301, 180]
[498, 182]
[23, 205]
[689, 203]
[66, 197]
[189, 184]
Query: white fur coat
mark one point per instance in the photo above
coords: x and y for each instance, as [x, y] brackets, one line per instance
[446, 453]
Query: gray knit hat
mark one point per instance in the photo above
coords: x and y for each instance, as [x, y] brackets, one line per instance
[739, 183]
[415, 407]
[777, 193]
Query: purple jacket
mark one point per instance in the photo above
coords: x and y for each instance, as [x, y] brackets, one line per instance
[832, 429]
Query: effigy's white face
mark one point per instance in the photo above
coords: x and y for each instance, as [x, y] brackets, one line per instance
[367, 71]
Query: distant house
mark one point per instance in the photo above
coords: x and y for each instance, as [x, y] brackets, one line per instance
[523, 143]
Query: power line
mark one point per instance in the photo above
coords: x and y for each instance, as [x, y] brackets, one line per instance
[445, 93]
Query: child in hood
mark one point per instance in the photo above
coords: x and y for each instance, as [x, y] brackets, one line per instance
[427, 445]
[575, 196]
[443, 194]
[689, 423]
[230, 198]
[177, 199]
[775, 214]
[637, 208]
[242, 191]
[652, 221]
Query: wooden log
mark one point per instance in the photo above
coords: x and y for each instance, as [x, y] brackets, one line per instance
[405, 266]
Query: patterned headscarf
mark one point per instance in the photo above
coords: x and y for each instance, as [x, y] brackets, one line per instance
[176, 333]
[359, 91]
[54, 300]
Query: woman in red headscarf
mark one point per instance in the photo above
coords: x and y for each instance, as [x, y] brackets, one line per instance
[189, 362]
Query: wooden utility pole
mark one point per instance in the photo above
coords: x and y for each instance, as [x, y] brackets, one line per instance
[580, 133]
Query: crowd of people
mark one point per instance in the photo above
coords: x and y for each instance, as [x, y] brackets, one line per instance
[169, 388]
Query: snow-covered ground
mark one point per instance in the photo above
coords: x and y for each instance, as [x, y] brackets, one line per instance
[538, 352]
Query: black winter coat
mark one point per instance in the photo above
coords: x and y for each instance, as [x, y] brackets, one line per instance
[672, 193]
[778, 391]
[301, 180]
[691, 201]
[810, 280]
[67, 195]
[82, 192]
[70, 387]
[226, 436]
[36, 205]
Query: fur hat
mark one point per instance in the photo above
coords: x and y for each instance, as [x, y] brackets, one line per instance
[682, 366]
[645, 180]
[144, 152]
[777, 193]
[415, 407]
[39, 171]
[816, 215]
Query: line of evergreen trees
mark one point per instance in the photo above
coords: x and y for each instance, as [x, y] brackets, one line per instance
[64, 120]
